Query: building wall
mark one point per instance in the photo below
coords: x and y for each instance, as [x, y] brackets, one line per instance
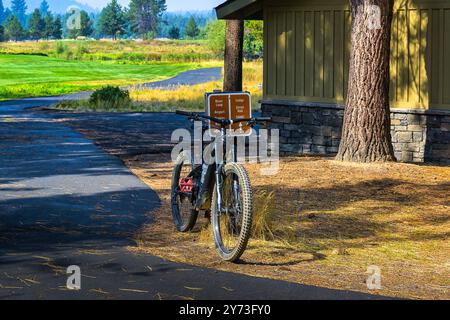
[315, 129]
[307, 49]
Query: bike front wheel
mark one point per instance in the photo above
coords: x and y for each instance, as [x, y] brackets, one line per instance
[232, 220]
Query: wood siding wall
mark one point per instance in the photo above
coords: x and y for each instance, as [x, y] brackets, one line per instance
[307, 52]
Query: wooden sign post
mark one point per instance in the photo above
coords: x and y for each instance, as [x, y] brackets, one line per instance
[232, 106]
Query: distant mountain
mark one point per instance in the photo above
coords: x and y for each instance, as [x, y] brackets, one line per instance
[56, 6]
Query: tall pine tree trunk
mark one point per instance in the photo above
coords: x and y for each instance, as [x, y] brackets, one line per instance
[366, 135]
[234, 43]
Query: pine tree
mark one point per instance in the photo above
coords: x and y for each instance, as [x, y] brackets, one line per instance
[174, 33]
[86, 27]
[44, 8]
[36, 25]
[48, 25]
[366, 134]
[112, 20]
[57, 28]
[2, 12]
[145, 15]
[18, 9]
[2, 34]
[234, 43]
[6, 14]
[13, 28]
[192, 30]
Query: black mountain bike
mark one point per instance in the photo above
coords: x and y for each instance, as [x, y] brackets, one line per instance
[221, 191]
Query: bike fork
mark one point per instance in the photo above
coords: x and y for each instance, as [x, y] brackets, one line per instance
[219, 169]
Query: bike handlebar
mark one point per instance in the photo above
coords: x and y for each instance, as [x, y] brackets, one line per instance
[222, 122]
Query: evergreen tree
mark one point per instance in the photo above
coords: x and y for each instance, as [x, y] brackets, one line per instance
[48, 25]
[145, 15]
[174, 33]
[234, 43]
[112, 20]
[18, 9]
[57, 29]
[192, 30]
[36, 25]
[2, 34]
[86, 27]
[181, 19]
[6, 14]
[44, 8]
[366, 133]
[2, 12]
[13, 28]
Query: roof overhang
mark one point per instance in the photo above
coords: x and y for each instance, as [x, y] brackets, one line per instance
[241, 10]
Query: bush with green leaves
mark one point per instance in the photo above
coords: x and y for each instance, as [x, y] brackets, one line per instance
[215, 35]
[61, 48]
[253, 38]
[110, 98]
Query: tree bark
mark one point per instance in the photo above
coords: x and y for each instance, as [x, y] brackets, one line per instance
[366, 135]
[234, 43]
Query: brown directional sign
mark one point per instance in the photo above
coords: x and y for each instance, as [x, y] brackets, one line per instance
[218, 107]
[240, 109]
[233, 106]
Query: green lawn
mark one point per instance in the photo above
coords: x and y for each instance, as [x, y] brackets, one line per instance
[32, 76]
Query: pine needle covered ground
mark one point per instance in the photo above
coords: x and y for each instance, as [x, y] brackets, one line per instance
[328, 222]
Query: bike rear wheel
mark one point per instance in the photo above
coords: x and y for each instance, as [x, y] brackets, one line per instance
[183, 212]
[232, 226]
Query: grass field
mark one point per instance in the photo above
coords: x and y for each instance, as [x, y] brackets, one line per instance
[189, 98]
[122, 51]
[44, 68]
[30, 76]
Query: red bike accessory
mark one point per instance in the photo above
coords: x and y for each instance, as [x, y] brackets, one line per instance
[186, 184]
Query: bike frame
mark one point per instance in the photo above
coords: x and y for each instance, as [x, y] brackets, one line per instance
[221, 141]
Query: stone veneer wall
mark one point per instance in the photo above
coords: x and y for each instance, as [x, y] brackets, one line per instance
[315, 129]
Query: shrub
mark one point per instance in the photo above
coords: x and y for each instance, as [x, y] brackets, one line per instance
[253, 39]
[44, 46]
[215, 35]
[61, 48]
[81, 51]
[110, 98]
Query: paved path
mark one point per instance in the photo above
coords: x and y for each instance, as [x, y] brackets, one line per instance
[187, 78]
[63, 202]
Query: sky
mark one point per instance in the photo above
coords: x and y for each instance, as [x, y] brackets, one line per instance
[172, 5]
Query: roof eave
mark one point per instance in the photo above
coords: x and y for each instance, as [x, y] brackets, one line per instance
[240, 9]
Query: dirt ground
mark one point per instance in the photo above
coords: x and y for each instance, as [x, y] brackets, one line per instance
[330, 222]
